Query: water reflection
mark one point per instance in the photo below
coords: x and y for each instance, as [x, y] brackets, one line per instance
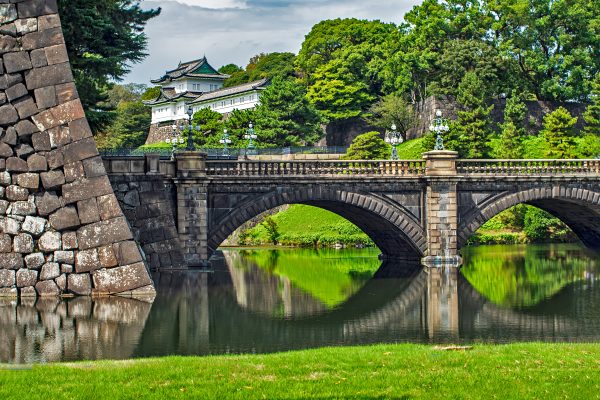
[252, 303]
[48, 330]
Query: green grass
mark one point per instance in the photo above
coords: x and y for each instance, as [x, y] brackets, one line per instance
[308, 226]
[412, 149]
[517, 371]
[325, 274]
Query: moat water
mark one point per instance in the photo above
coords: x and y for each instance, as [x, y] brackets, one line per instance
[259, 301]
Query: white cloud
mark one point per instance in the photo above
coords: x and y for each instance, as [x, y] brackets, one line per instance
[233, 35]
[214, 4]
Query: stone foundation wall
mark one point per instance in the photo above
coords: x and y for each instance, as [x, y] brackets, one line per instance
[61, 228]
[148, 204]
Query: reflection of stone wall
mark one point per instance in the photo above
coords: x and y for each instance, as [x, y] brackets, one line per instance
[61, 228]
[48, 330]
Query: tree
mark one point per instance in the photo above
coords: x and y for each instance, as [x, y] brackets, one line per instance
[513, 127]
[270, 66]
[393, 109]
[237, 124]
[151, 93]
[368, 146]
[473, 127]
[211, 127]
[285, 117]
[103, 38]
[592, 112]
[558, 132]
[230, 69]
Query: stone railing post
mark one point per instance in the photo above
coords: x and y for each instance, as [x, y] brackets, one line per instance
[152, 164]
[192, 207]
[441, 209]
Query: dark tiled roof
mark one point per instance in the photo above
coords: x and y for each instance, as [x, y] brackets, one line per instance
[230, 91]
[194, 69]
[168, 94]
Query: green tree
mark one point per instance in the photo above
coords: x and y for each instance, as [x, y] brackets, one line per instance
[513, 128]
[103, 38]
[211, 127]
[237, 124]
[151, 93]
[393, 109]
[285, 117]
[592, 112]
[470, 133]
[230, 69]
[272, 229]
[270, 66]
[368, 146]
[559, 133]
[342, 62]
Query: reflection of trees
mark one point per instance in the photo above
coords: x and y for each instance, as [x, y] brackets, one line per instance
[50, 330]
[523, 276]
[323, 274]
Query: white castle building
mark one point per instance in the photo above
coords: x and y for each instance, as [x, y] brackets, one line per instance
[197, 84]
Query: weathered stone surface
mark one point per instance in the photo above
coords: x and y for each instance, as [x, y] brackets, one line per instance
[56, 54]
[64, 257]
[8, 278]
[38, 58]
[86, 189]
[11, 260]
[61, 282]
[28, 180]
[5, 244]
[8, 115]
[67, 268]
[128, 253]
[23, 243]
[37, 40]
[50, 270]
[50, 242]
[109, 207]
[132, 198]
[37, 163]
[52, 179]
[27, 292]
[11, 226]
[80, 150]
[79, 284]
[9, 293]
[103, 233]
[108, 258]
[34, 225]
[26, 277]
[16, 193]
[23, 208]
[87, 260]
[45, 97]
[25, 107]
[5, 178]
[47, 203]
[10, 136]
[8, 13]
[26, 25]
[15, 164]
[3, 205]
[25, 128]
[47, 288]
[55, 159]
[5, 150]
[23, 150]
[41, 141]
[34, 8]
[65, 218]
[35, 260]
[16, 92]
[17, 61]
[121, 279]
[88, 211]
[74, 172]
[69, 241]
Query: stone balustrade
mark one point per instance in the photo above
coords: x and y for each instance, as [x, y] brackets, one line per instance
[528, 167]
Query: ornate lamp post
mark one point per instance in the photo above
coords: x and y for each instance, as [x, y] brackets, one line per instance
[439, 126]
[395, 139]
[191, 129]
[250, 136]
[225, 141]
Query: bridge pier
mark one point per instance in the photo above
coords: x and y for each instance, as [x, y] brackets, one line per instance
[192, 207]
[441, 209]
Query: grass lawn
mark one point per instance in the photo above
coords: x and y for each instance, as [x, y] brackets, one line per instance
[518, 371]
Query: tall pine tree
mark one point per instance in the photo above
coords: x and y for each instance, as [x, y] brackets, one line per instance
[513, 128]
[558, 132]
[592, 113]
[103, 38]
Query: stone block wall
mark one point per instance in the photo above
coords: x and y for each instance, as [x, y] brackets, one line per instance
[149, 205]
[61, 228]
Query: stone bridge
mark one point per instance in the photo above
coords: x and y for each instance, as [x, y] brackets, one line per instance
[182, 209]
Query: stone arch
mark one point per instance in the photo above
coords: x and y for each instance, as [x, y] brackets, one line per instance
[61, 227]
[578, 208]
[397, 233]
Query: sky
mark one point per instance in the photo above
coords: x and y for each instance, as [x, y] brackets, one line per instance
[232, 31]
